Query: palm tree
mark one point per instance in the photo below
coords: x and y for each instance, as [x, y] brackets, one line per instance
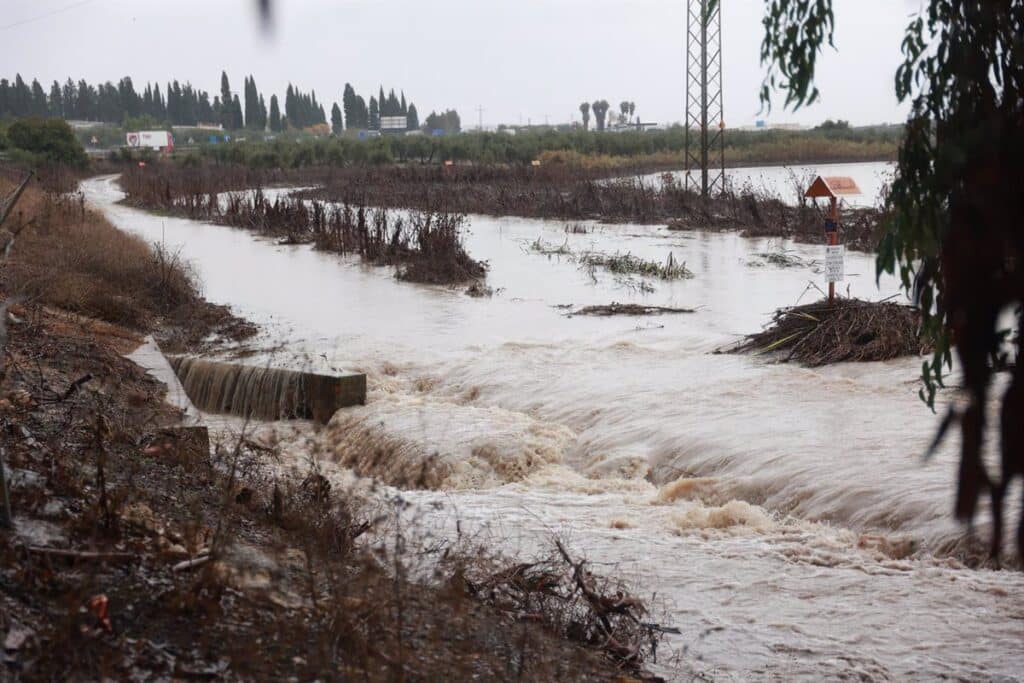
[600, 108]
[585, 110]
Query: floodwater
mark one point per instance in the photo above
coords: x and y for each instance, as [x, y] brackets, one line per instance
[783, 517]
[788, 182]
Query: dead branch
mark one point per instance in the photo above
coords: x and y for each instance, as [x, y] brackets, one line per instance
[83, 555]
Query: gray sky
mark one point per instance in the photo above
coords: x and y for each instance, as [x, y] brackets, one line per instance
[519, 59]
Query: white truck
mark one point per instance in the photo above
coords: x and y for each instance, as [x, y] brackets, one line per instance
[150, 139]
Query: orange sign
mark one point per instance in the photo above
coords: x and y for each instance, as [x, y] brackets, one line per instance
[832, 187]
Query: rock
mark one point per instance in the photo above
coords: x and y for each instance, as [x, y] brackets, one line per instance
[21, 398]
[17, 637]
[142, 517]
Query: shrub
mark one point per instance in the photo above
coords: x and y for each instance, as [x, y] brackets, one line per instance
[50, 140]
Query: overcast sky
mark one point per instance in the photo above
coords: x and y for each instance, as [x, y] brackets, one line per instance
[518, 59]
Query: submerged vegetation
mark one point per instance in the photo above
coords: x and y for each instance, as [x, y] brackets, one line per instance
[556, 191]
[424, 245]
[622, 266]
[629, 264]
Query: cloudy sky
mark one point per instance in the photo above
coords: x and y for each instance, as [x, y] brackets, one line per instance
[520, 60]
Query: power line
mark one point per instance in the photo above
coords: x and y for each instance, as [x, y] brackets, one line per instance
[45, 15]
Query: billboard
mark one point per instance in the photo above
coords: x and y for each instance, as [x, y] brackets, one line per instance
[150, 139]
[394, 122]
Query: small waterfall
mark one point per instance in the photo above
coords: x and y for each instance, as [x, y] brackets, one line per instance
[266, 393]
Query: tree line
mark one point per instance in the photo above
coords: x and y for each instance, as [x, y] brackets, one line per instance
[184, 105]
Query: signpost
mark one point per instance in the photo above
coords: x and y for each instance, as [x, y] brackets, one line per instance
[834, 267]
[832, 188]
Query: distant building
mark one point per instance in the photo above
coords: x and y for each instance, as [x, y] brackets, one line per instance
[762, 125]
[84, 125]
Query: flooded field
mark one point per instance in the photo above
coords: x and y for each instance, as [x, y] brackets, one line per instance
[871, 177]
[710, 480]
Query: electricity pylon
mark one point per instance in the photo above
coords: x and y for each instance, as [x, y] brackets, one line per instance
[705, 115]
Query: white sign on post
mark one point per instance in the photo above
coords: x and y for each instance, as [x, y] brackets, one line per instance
[834, 270]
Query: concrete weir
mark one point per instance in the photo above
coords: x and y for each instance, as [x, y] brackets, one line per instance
[266, 393]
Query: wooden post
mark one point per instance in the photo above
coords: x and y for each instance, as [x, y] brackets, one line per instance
[833, 240]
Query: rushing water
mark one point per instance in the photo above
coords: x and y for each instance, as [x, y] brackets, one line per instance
[783, 516]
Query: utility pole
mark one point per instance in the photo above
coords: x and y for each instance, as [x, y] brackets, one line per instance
[705, 116]
[480, 111]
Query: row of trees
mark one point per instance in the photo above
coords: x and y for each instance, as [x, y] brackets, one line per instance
[184, 105]
[553, 146]
[359, 114]
[627, 111]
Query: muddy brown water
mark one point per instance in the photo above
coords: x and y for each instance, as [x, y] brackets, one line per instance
[783, 516]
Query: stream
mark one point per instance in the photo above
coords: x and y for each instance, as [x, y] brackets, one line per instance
[782, 518]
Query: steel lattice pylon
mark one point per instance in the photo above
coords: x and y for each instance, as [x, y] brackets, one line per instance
[705, 115]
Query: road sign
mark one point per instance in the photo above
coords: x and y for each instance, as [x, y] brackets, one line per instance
[834, 268]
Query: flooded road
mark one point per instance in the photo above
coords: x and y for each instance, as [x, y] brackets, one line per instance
[783, 516]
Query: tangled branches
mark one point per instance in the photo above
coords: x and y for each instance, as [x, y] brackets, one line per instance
[848, 330]
[562, 594]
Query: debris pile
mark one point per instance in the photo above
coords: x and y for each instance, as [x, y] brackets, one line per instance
[847, 330]
[616, 308]
[560, 593]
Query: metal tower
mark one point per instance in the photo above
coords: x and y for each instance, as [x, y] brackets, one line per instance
[705, 117]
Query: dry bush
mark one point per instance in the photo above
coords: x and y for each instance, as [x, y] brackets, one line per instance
[71, 257]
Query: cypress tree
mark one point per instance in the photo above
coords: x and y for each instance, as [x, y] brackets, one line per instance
[374, 114]
[56, 104]
[348, 104]
[363, 112]
[336, 123]
[275, 115]
[227, 116]
[236, 114]
[289, 104]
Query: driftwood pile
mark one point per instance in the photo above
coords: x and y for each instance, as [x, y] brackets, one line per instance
[616, 308]
[562, 594]
[846, 330]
